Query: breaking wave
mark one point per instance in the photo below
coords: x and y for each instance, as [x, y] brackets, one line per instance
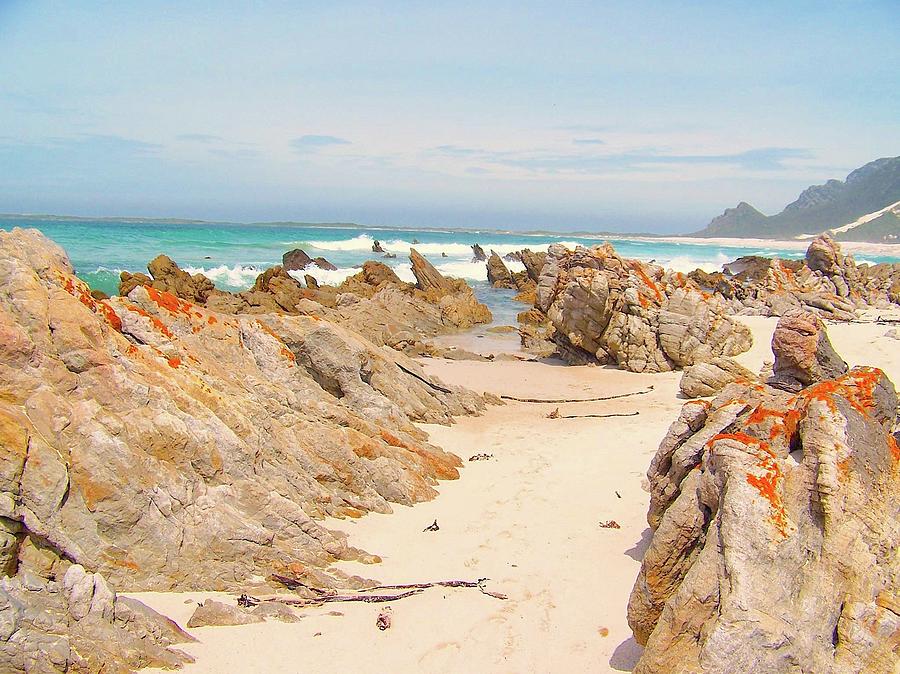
[238, 277]
[364, 243]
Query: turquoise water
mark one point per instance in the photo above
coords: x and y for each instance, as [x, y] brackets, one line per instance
[232, 255]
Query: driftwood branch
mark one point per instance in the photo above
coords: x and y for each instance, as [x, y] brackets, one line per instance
[576, 400]
[423, 380]
[596, 416]
[329, 596]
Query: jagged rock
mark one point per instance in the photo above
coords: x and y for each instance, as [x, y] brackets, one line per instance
[709, 377]
[427, 277]
[297, 259]
[40, 631]
[534, 263]
[216, 613]
[168, 277]
[774, 520]
[311, 282]
[376, 247]
[608, 309]
[165, 445]
[391, 308]
[497, 273]
[824, 255]
[803, 352]
[478, 253]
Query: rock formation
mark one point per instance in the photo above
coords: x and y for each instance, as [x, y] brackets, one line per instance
[75, 622]
[602, 308]
[826, 282]
[297, 259]
[165, 445]
[709, 377]
[376, 247]
[478, 253]
[775, 527]
[497, 273]
[803, 352]
[374, 302]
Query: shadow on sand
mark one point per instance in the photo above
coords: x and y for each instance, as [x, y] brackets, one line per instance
[626, 655]
[637, 552]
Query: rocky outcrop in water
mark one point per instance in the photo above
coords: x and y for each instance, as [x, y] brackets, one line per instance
[478, 253]
[601, 308]
[497, 273]
[297, 259]
[75, 622]
[166, 445]
[775, 520]
[374, 302]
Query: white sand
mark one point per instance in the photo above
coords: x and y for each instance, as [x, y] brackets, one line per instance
[528, 520]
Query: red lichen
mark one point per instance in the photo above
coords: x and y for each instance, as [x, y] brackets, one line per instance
[856, 387]
[647, 281]
[174, 361]
[82, 293]
[169, 301]
[766, 484]
[393, 440]
[158, 324]
[211, 320]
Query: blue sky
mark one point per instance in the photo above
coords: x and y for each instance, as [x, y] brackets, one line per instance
[651, 116]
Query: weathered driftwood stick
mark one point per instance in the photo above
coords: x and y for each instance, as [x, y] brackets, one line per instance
[442, 583]
[423, 380]
[412, 589]
[368, 598]
[596, 416]
[576, 400]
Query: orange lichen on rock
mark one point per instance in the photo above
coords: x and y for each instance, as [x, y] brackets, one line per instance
[169, 301]
[647, 281]
[158, 324]
[286, 352]
[392, 440]
[784, 421]
[174, 361]
[83, 294]
[766, 484]
[212, 320]
[894, 447]
[857, 387]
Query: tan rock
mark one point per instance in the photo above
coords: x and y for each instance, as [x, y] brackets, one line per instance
[774, 519]
[709, 377]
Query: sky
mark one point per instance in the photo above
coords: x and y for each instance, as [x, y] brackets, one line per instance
[631, 116]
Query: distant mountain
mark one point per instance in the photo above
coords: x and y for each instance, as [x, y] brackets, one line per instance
[870, 190]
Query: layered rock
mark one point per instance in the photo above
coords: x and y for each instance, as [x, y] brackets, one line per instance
[826, 282]
[374, 302]
[606, 309]
[709, 377]
[75, 622]
[165, 445]
[497, 273]
[775, 521]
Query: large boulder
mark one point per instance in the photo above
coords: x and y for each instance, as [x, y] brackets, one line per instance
[608, 309]
[803, 352]
[165, 445]
[775, 524]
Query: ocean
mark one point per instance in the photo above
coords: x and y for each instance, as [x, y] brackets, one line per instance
[232, 255]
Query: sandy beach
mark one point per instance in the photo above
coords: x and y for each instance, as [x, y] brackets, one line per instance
[529, 519]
